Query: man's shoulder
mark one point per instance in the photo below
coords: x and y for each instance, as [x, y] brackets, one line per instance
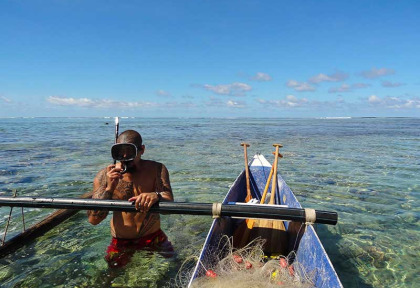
[101, 172]
[101, 176]
[151, 163]
[155, 166]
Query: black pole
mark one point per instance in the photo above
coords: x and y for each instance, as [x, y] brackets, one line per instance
[231, 209]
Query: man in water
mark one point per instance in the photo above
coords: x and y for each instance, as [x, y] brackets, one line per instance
[134, 179]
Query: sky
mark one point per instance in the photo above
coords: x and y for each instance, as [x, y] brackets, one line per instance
[88, 58]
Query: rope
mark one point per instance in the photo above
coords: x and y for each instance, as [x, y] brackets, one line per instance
[310, 215]
[216, 210]
[297, 237]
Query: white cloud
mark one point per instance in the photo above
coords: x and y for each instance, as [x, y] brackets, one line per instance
[389, 84]
[176, 104]
[290, 101]
[187, 96]
[293, 103]
[96, 103]
[217, 102]
[342, 88]
[163, 93]
[335, 77]
[374, 99]
[262, 77]
[300, 86]
[347, 88]
[394, 102]
[320, 78]
[235, 104]
[375, 73]
[5, 99]
[234, 89]
[360, 85]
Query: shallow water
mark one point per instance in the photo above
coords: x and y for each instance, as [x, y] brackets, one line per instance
[366, 169]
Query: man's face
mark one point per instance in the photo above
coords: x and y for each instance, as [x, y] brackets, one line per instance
[124, 152]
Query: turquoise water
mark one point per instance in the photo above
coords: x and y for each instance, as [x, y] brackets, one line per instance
[366, 169]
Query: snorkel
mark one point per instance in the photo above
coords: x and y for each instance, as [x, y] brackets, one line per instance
[117, 128]
[124, 168]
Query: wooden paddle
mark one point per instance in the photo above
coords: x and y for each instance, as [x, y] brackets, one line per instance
[272, 230]
[276, 237]
[248, 186]
[274, 183]
[241, 234]
[250, 222]
[269, 180]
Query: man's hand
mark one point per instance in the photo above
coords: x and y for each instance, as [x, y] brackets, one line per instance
[145, 200]
[113, 176]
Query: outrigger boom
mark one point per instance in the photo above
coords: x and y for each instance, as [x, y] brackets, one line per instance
[212, 209]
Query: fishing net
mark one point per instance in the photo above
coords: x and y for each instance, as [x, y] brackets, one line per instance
[245, 267]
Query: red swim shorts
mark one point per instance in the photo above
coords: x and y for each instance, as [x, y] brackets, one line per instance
[120, 251]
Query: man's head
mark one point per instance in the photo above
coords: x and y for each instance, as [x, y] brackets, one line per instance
[131, 136]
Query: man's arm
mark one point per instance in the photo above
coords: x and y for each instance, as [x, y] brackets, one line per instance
[164, 185]
[99, 192]
[163, 191]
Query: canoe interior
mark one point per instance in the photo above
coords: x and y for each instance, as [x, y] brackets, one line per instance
[308, 248]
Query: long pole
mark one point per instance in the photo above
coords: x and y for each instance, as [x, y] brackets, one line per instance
[231, 209]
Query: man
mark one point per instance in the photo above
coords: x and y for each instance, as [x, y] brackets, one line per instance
[134, 179]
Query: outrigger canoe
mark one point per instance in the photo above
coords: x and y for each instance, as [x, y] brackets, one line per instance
[230, 215]
[303, 240]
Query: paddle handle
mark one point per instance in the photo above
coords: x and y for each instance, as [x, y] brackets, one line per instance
[274, 183]
[267, 185]
[268, 181]
[275, 212]
[248, 186]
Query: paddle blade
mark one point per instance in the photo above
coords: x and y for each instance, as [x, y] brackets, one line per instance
[250, 223]
[273, 232]
[241, 235]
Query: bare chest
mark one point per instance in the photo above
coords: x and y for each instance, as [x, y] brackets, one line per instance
[127, 189]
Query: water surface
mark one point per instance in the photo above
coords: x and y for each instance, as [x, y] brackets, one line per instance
[366, 169]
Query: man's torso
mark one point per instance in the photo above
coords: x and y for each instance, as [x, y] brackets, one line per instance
[134, 225]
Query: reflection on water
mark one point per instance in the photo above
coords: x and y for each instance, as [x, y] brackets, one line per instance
[365, 169]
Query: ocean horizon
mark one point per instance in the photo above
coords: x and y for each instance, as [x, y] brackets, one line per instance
[218, 117]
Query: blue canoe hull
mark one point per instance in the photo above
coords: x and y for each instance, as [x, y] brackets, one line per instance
[310, 253]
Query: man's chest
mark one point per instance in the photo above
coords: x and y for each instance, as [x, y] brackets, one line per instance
[127, 189]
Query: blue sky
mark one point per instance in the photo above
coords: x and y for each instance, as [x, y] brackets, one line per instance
[209, 58]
